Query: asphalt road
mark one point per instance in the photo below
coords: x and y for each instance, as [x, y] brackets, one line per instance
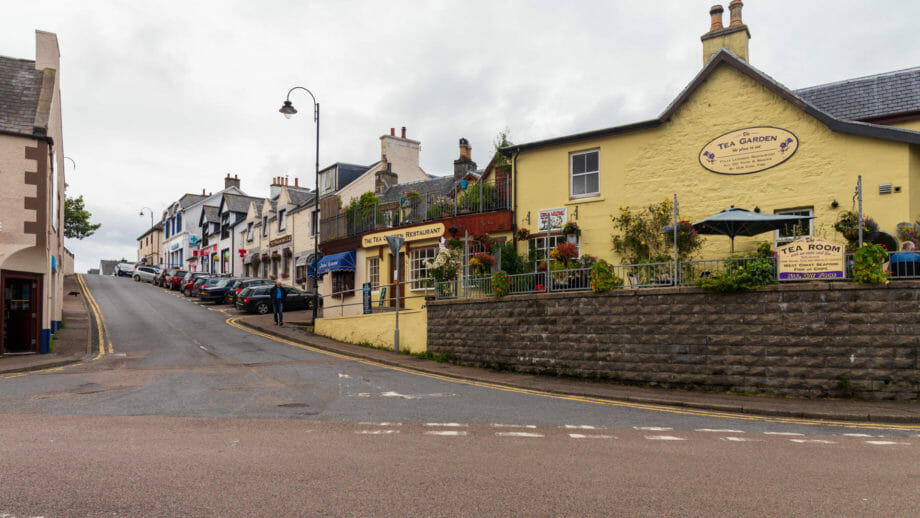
[189, 416]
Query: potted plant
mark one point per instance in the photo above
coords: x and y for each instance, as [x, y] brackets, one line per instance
[482, 262]
[571, 231]
[412, 197]
[522, 234]
[276, 256]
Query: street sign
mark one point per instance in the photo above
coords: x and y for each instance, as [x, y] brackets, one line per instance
[395, 242]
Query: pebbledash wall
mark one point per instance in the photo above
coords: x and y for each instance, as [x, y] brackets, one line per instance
[815, 339]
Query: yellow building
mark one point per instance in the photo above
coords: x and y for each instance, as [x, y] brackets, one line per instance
[733, 137]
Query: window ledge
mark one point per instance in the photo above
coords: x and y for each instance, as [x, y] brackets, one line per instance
[578, 201]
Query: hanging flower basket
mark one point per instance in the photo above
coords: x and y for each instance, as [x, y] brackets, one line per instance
[265, 257]
[522, 234]
[288, 252]
[276, 256]
[571, 228]
[255, 259]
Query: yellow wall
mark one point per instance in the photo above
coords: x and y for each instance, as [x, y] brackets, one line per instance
[377, 329]
[911, 125]
[647, 166]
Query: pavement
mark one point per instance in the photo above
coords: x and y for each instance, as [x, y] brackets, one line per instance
[74, 343]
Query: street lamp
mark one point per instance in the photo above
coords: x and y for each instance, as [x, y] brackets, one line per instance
[288, 110]
[141, 213]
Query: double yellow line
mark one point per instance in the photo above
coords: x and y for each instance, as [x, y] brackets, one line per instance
[100, 321]
[583, 399]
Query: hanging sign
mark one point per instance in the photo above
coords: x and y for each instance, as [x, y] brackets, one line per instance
[551, 219]
[748, 150]
[809, 259]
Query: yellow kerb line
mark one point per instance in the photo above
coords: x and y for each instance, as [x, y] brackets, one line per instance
[581, 399]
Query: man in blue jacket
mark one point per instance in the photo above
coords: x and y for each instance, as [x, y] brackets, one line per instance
[278, 295]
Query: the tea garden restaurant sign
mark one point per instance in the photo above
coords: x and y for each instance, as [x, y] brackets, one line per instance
[810, 258]
[748, 150]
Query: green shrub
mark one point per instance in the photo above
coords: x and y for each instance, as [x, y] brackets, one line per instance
[603, 278]
[501, 283]
[470, 197]
[748, 275]
[867, 264]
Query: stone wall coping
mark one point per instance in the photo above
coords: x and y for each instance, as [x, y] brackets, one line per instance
[789, 287]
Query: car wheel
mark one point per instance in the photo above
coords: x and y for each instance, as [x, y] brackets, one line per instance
[137, 278]
[262, 308]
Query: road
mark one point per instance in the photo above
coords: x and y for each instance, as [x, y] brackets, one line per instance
[190, 416]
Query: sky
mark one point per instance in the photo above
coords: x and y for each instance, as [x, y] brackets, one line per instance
[164, 98]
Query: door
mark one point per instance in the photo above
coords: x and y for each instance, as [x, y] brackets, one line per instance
[402, 281]
[21, 312]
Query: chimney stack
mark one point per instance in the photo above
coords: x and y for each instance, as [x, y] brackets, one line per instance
[464, 164]
[275, 188]
[403, 132]
[733, 38]
[296, 182]
[231, 182]
[385, 178]
[392, 132]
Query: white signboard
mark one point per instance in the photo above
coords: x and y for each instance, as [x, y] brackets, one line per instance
[552, 219]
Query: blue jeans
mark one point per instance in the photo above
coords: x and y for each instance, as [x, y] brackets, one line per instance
[279, 310]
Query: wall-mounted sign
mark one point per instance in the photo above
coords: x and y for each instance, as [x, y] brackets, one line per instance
[193, 240]
[280, 241]
[748, 150]
[408, 234]
[810, 258]
[552, 219]
[175, 246]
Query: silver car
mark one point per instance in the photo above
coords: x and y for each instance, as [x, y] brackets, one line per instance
[145, 273]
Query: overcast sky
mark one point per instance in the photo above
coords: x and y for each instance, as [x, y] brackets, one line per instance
[163, 98]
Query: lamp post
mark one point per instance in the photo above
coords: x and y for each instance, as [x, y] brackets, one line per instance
[288, 110]
[141, 213]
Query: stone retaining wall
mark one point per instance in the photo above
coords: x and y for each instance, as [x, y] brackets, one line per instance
[814, 339]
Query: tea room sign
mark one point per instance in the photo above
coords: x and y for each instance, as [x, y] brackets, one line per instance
[809, 259]
[748, 150]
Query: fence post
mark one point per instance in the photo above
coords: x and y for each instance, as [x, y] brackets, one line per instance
[676, 209]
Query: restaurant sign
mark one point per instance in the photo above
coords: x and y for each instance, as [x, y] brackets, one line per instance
[748, 150]
[408, 234]
[551, 219]
[809, 259]
[280, 241]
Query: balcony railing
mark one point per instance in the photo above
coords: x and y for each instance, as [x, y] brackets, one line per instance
[476, 198]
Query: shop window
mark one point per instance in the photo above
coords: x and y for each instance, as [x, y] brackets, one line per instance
[585, 174]
[343, 283]
[373, 272]
[803, 228]
[418, 267]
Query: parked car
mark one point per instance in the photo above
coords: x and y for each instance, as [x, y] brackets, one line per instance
[188, 282]
[216, 289]
[145, 273]
[197, 284]
[242, 284]
[174, 280]
[257, 299]
[124, 269]
[160, 279]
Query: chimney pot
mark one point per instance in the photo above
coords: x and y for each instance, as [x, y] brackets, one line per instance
[735, 10]
[202, 191]
[296, 182]
[392, 132]
[716, 13]
[403, 132]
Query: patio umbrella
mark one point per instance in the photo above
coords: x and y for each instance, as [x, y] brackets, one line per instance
[739, 222]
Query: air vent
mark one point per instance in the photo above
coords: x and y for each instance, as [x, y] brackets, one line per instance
[884, 188]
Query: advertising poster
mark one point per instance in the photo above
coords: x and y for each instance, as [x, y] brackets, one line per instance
[810, 259]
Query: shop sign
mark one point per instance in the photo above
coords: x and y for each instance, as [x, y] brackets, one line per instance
[175, 246]
[279, 241]
[810, 258]
[408, 234]
[551, 219]
[748, 150]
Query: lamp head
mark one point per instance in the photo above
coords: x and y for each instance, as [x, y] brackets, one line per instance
[288, 110]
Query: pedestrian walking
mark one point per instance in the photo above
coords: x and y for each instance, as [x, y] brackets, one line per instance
[278, 296]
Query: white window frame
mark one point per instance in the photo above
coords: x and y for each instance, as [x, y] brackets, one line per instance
[373, 273]
[538, 244]
[249, 231]
[584, 174]
[282, 220]
[264, 226]
[779, 240]
[419, 279]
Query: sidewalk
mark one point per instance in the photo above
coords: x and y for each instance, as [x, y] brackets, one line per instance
[899, 412]
[72, 343]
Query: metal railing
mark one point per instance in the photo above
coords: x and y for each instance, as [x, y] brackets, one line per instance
[476, 198]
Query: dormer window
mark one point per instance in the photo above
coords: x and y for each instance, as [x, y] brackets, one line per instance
[282, 220]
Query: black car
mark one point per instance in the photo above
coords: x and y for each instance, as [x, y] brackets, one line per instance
[242, 284]
[258, 299]
[215, 289]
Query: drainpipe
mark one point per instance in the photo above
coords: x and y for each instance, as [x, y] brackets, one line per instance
[514, 204]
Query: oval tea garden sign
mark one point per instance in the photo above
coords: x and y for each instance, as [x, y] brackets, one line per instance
[748, 150]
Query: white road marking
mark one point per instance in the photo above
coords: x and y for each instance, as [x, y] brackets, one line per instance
[887, 443]
[367, 423]
[782, 433]
[346, 376]
[518, 434]
[377, 432]
[813, 441]
[595, 436]
[451, 425]
[652, 428]
[740, 439]
[580, 427]
[529, 426]
[664, 438]
[397, 394]
[448, 433]
[857, 435]
[717, 430]
[203, 348]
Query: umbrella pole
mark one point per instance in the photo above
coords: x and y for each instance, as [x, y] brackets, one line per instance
[733, 245]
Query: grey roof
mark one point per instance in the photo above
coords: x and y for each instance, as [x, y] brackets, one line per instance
[439, 185]
[20, 87]
[190, 199]
[238, 203]
[210, 214]
[728, 58]
[299, 197]
[350, 172]
[870, 97]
